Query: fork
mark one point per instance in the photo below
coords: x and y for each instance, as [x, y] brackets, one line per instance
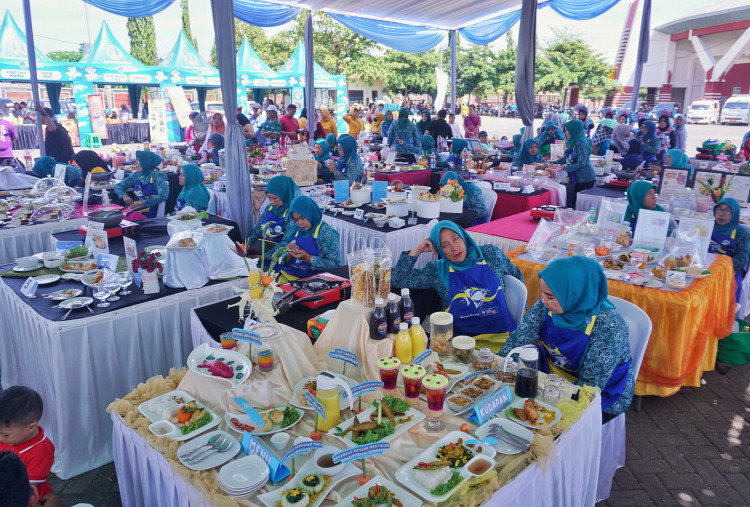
[199, 449]
[225, 446]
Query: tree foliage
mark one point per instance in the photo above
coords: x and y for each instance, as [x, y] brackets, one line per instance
[143, 40]
[186, 23]
[407, 73]
[67, 56]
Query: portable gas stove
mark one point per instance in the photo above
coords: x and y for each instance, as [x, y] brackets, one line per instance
[126, 228]
[332, 288]
[546, 211]
[615, 182]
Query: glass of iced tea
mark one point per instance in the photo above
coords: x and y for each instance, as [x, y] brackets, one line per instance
[388, 367]
[413, 375]
[435, 387]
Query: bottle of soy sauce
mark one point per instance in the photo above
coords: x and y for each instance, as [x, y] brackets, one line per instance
[407, 307]
[393, 314]
[379, 322]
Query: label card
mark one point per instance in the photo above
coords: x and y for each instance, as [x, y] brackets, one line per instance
[100, 241]
[528, 189]
[310, 399]
[500, 185]
[301, 448]
[359, 214]
[365, 387]
[391, 157]
[107, 261]
[361, 452]
[29, 287]
[491, 406]
[92, 226]
[651, 229]
[421, 357]
[218, 186]
[249, 410]
[60, 171]
[344, 355]
[86, 190]
[131, 252]
[379, 190]
[244, 335]
[251, 445]
[340, 190]
[150, 282]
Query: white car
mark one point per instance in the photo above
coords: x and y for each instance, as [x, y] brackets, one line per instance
[736, 110]
[703, 111]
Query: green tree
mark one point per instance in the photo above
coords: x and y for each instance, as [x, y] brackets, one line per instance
[569, 61]
[339, 50]
[475, 71]
[186, 23]
[143, 40]
[505, 66]
[67, 56]
[407, 73]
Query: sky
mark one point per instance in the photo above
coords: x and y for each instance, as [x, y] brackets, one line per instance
[62, 24]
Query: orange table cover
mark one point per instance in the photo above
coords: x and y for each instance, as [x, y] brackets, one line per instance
[686, 324]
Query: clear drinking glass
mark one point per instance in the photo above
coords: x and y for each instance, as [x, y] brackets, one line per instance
[101, 293]
[126, 279]
[113, 286]
[435, 387]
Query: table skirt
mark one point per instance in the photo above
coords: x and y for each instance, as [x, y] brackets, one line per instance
[30, 239]
[512, 204]
[504, 244]
[80, 366]
[407, 178]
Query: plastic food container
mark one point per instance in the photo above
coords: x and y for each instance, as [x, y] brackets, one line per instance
[462, 349]
[361, 196]
[448, 206]
[483, 359]
[428, 209]
[441, 333]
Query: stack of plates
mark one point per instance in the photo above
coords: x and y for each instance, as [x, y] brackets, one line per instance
[244, 476]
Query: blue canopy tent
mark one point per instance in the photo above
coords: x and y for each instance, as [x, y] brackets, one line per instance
[253, 72]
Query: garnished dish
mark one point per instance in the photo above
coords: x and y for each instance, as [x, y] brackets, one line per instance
[78, 267]
[228, 365]
[615, 265]
[426, 196]
[456, 454]
[695, 272]
[349, 203]
[659, 272]
[190, 417]
[187, 416]
[191, 216]
[184, 242]
[275, 420]
[681, 261]
[77, 252]
[357, 186]
[396, 416]
[602, 251]
[532, 413]
[215, 229]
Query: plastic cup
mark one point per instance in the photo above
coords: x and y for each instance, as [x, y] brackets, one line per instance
[413, 375]
[388, 367]
[227, 340]
[435, 387]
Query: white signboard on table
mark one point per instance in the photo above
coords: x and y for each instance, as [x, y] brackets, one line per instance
[651, 229]
[60, 171]
[673, 180]
[611, 213]
[96, 239]
[739, 188]
[556, 151]
[157, 120]
[698, 228]
[180, 104]
[131, 252]
[86, 190]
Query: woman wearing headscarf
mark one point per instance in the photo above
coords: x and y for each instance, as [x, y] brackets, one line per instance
[148, 185]
[601, 139]
[313, 244]
[650, 142]
[354, 120]
[549, 135]
[303, 124]
[472, 123]
[680, 132]
[458, 145]
[322, 154]
[424, 123]
[581, 175]
[375, 119]
[214, 143]
[642, 195]
[679, 160]
[198, 130]
[386, 125]
[90, 162]
[328, 123]
[633, 158]
[45, 167]
[745, 146]
[403, 136]
[623, 117]
[468, 279]
[579, 333]
[217, 126]
[332, 142]
[516, 146]
[666, 134]
[529, 154]
[620, 137]
[730, 238]
[349, 166]
[583, 116]
[276, 221]
[271, 128]
[428, 146]
[474, 200]
[194, 193]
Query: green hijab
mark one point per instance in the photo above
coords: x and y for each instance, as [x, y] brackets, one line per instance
[285, 189]
[331, 141]
[194, 193]
[457, 146]
[473, 252]
[148, 160]
[580, 286]
[306, 207]
[44, 167]
[575, 129]
[428, 145]
[387, 122]
[422, 124]
[403, 118]
[679, 159]
[326, 151]
[636, 193]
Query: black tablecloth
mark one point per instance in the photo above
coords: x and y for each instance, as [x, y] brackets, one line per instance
[127, 133]
[607, 191]
[152, 232]
[26, 139]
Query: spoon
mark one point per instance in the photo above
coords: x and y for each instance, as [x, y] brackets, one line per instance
[225, 445]
[197, 450]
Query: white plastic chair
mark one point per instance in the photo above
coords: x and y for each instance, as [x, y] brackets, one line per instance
[211, 202]
[262, 210]
[490, 199]
[515, 296]
[160, 209]
[613, 432]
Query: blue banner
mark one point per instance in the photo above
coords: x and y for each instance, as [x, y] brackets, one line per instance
[301, 448]
[421, 357]
[379, 190]
[364, 387]
[250, 411]
[361, 452]
[344, 355]
[244, 335]
[340, 190]
[251, 445]
[310, 399]
[470, 376]
[484, 411]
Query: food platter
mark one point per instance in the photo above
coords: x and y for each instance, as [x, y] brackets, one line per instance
[78, 266]
[244, 419]
[410, 417]
[166, 406]
[459, 391]
[399, 493]
[551, 415]
[298, 393]
[216, 363]
[273, 498]
[215, 229]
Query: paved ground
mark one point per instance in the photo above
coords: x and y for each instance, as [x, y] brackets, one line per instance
[691, 449]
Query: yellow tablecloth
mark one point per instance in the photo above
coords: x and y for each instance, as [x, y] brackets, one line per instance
[686, 324]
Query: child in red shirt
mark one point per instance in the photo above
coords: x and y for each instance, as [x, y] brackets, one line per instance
[20, 411]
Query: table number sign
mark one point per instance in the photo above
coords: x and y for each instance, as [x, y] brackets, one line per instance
[365, 387]
[29, 287]
[107, 261]
[361, 452]
[359, 214]
[301, 448]
[484, 411]
[251, 445]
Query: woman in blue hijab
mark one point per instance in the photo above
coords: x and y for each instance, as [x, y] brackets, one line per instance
[474, 200]
[428, 146]
[577, 161]
[332, 142]
[650, 142]
[214, 144]
[730, 238]
[403, 135]
[679, 160]
[516, 146]
[45, 167]
[579, 333]
[313, 244]
[469, 280]
[322, 154]
[457, 147]
[194, 193]
[529, 154]
[633, 158]
[349, 166]
[276, 220]
[147, 184]
[549, 135]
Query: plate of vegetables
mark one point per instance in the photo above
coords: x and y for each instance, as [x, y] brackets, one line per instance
[276, 420]
[188, 416]
[380, 491]
[378, 424]
[76, 253]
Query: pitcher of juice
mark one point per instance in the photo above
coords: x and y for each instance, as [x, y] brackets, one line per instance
[328, 396]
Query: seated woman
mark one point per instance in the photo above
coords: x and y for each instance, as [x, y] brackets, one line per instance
[428, 146]
[551, 134]
[602, 138]
[642, 195]
[580, 335]
[194, 193]
[633, 158]
[90, 162]
[529, 154]
[468, 279]
[403, 135]
[276, 220]
[620, 138]
[45, 167]
[457, 147]
[474, 200]
[730, 238]
[313, 244]
[332, 142]
[650, 143]
[349, 166]
[679, 160]
[322, 154]
[424, 123]
[516, 146]
[148, 185]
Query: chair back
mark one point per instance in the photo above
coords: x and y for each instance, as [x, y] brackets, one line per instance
[160, 209]
[515, 296]
[262, 210]
[639, 325]
[490, 199]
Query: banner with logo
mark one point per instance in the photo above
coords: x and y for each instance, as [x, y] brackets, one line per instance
[98, 118]
[157, 120]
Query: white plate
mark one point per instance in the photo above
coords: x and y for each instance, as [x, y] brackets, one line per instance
[403, 496]
[405, 474]
[46, 279]
[61, 295]
[651, 283]
[215, 458]
[77, 270]
[244, 419]
[616, 275]
[364, 416]
[240, 364]
[19, 269]
[205, 230]
[88, 277]
[518, 403]
[299, 390]
[510, 427]
[74, 303]
[144, 408]
[272, 498]
[244, 473]
[457, 390]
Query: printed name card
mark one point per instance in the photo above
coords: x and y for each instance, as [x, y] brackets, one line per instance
[365, 387]
[484, 411]
[528, 189]
[501, 185]
[251, 445]
[344, 355]
[131, 252]
[244, 335]
[315, 404]
[359, 214]
[250, 411]
[29, 287]
[361, 452]
[301, 448]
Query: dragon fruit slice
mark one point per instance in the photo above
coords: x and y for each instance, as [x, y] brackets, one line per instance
[218, 368]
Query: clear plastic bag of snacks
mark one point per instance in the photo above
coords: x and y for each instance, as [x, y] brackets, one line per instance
[683, 250]
[542, 243]
[362, 273]
[382, 266]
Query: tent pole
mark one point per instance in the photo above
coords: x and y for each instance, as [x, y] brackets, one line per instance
[32, 72]
[642, 58]
[454, 35]
[526, 65]
[309, 75]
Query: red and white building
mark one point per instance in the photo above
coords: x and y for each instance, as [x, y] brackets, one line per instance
[705, 54]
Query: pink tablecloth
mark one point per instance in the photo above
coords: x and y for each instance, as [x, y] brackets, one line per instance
[519, 227]
[407, 178]
[509, 204]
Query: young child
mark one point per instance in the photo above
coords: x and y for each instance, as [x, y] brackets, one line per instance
[20, 411]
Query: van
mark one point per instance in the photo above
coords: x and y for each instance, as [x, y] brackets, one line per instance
[703, 111]
[736, 110]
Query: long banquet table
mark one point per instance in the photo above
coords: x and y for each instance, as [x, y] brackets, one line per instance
[81, 364]
[509, 203]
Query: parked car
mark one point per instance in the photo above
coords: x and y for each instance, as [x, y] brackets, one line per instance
[703, 111]
[672, 107]
[736, 110]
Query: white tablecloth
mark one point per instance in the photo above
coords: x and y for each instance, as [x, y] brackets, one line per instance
[504, 244]
[30, 239]
[585, 202]
[80, 366]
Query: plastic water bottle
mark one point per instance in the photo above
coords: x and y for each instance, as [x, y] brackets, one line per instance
[464, 157]
[105, 199]
[655, 180]
[591, 223]
[432, 160]
[439, 142]
[28, 160]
